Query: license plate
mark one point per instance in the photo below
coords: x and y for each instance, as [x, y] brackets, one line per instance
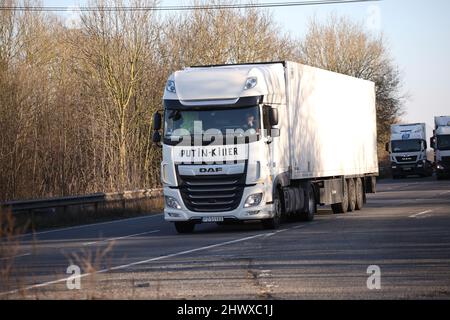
[212, 219]
[407, 169]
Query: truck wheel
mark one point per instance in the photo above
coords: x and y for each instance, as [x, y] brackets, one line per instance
[273, 223]
[359, 194]
[351, 195]
[342, 206]
[185, 227]
[310, 206]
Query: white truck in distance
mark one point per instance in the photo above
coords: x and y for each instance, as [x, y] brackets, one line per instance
[408, 150]
[440, 142]
[264, 141]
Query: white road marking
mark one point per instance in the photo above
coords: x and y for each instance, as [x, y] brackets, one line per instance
[120, 238]
[14, 257]
[304, 225]
[125, 266]
[420, 213]
[442, 193]
[90, 225]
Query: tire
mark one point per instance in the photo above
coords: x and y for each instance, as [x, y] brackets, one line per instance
[351, 195]
[359, 194]
[185, 227]
[342, 206]
[274, 223]
[310, 206]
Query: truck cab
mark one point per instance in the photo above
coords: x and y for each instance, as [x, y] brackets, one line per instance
[219, 140]
[441, 145]
[408, 150]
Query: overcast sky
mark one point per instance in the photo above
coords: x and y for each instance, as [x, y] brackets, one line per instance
[418, 34]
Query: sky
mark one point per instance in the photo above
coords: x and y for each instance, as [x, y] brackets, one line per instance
[417, 33]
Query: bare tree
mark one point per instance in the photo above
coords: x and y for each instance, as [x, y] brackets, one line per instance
[344, 46]
[115, 49]
[223, 36]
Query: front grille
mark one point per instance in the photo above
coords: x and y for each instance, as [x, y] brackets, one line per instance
[445, 160]
[212, 193]
[406, 158]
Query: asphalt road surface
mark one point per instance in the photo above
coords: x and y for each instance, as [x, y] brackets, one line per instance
[404, 230]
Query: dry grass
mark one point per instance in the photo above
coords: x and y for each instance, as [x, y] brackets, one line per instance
[14, 277]
[90, 263]
[10, 248]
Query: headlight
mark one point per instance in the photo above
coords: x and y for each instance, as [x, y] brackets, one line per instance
[440, 167]
[171, 202]
[250, 83]
[253, 200]
[164, 175]
[170, 86]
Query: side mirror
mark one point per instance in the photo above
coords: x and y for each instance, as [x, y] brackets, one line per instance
[273, 116]
[386, 147]
[156, 137]
[425, 145]
[433, 142]
[157, 121]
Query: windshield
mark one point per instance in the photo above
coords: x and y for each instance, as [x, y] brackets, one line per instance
[443, 142]
[406, 145]
[235, 122]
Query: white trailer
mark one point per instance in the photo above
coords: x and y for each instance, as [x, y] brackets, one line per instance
[441, 145]
[265, 140]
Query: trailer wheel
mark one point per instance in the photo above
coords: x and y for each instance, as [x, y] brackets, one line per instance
[359, 194]
[351, 195]
[273, 223]
[342, 207]
[310, 205]
[185, 226]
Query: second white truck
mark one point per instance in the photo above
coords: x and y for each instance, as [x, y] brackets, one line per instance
[264, 141]
[408, 150]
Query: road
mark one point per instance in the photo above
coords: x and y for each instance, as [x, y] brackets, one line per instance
[404, 230]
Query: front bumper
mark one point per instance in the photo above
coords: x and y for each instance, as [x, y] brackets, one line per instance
[410, 169]
[260, 212]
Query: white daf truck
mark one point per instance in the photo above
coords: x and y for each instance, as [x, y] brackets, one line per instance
[440, 142]
[408, 150]
[264, 141]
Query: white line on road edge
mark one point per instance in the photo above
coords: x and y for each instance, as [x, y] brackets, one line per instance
[44, 284]
[120, 238]
[420, 213]
[124, 266]
[90, 225]
[14, 257]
